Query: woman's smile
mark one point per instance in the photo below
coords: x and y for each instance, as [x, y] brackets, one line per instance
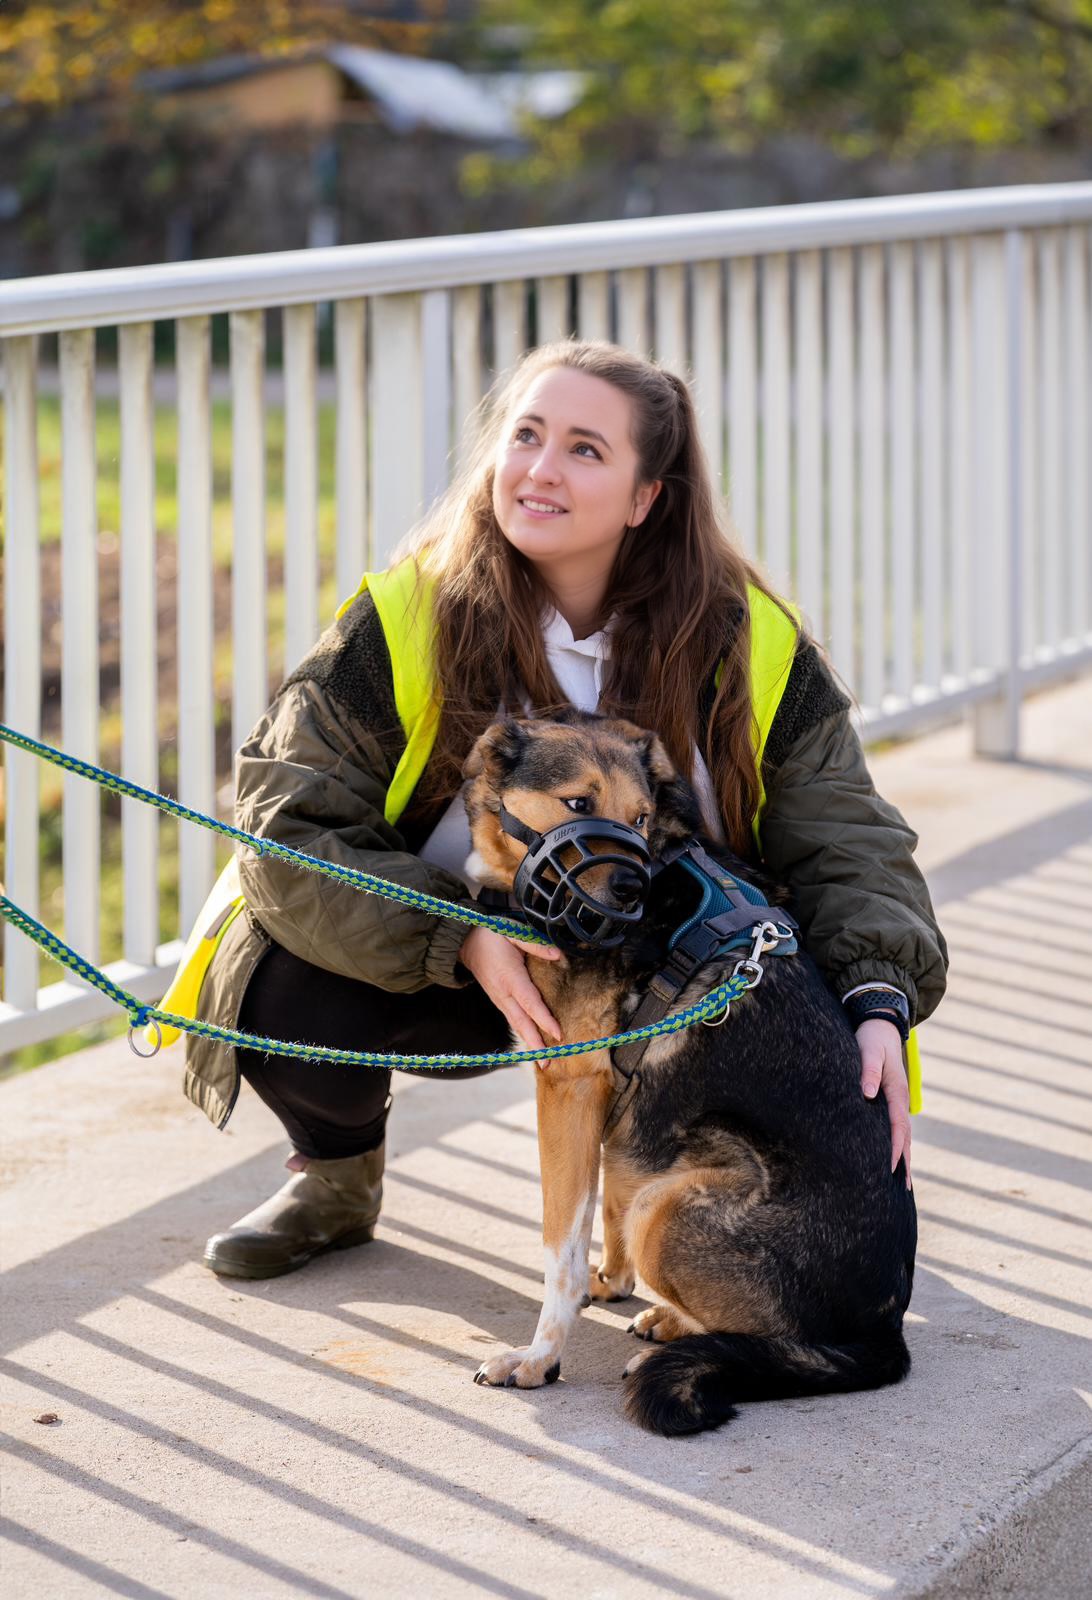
[541, 508]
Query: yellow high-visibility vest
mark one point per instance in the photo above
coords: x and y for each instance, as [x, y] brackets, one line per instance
[404, 607]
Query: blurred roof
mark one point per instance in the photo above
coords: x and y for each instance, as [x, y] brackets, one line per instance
[414, 92]
[549, 93]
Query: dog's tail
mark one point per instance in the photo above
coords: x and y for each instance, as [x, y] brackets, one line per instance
[694, 1383]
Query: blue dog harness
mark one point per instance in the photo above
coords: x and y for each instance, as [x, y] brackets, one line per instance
[731, 915]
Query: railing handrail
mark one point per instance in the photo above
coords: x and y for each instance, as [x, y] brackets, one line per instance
[236, 283]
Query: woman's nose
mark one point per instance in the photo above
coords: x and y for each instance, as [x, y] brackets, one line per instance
[545, 468]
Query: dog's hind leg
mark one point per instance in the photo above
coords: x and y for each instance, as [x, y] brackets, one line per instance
[682, 1234]
[614, 1277]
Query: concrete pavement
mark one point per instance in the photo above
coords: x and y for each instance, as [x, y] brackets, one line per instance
[319, 1434]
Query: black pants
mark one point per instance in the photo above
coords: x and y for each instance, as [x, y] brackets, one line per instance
[329, 1110]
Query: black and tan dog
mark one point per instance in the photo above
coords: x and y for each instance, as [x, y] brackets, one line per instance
[748, 1181]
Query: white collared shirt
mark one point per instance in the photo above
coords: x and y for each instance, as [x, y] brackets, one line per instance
[578, 666]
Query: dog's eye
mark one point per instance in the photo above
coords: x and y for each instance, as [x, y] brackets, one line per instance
[579, 802]
[641, 820]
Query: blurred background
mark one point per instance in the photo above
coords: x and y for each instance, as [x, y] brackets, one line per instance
[158, 130]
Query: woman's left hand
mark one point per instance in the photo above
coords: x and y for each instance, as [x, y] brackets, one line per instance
[882, 1068]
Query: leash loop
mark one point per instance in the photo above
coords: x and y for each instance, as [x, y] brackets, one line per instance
[149, 1022]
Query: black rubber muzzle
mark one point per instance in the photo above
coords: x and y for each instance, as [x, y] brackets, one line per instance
[552, 895]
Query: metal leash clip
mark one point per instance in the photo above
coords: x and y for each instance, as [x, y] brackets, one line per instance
[767, 935]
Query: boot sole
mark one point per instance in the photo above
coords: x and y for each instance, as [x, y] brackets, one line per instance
[248, 1269]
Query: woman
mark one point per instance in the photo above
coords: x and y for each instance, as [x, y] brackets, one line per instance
[579, 559]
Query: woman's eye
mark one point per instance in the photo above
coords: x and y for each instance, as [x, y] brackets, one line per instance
[579, 803]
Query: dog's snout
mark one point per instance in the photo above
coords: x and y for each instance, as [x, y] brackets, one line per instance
[627, 887]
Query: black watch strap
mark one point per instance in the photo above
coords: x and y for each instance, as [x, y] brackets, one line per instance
[889, 1004]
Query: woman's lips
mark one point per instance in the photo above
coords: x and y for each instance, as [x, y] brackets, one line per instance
[541, 516]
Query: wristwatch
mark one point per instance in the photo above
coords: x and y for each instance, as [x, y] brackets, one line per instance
[879, 1001]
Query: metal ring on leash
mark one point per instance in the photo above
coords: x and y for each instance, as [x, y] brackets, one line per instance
[717, 1022]
[146, 1055]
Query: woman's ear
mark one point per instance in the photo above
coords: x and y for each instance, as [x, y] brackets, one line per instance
[642, 502]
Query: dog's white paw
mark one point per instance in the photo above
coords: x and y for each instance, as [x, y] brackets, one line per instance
[519, 1369]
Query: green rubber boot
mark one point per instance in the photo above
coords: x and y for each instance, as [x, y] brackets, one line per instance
[325, 1205]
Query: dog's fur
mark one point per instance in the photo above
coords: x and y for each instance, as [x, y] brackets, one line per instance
[749, 1181]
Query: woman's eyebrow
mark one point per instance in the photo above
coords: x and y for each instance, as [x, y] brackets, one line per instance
[588, 433]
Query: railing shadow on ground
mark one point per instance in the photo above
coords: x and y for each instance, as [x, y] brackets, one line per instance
[460, 1292]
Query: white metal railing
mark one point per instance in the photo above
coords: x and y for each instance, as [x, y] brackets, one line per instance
[895, 393]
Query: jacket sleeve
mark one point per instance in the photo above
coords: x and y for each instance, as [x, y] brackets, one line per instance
[844, 852]
[314, 775]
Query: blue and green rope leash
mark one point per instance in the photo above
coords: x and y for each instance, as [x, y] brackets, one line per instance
[713, 1005]
[269, 847]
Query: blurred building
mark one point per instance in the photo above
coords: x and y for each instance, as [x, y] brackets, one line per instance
[334, 84]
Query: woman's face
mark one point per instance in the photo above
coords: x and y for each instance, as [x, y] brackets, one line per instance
[564, 485]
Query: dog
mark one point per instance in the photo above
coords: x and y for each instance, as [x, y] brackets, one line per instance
[748, 1181]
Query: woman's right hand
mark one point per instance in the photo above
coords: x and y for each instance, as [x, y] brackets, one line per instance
[501, 969]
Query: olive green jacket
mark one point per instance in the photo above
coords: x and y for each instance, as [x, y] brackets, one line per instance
[314, 775]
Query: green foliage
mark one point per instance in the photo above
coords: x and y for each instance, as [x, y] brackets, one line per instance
[889, 77]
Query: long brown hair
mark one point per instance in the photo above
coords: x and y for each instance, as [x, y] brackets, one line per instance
[678, 587]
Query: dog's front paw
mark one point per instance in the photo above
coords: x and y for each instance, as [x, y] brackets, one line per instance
[519, 1369]
[604, 1286]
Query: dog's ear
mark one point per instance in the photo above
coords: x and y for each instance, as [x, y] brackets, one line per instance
[497, 753]
[654, 758]
[677, 814]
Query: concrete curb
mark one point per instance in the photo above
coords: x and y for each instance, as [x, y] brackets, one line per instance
[1037, 1544]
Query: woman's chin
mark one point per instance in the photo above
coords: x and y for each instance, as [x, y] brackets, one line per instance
[537, 543]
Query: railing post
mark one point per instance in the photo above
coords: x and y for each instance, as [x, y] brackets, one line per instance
[997, 720]
[397, 427]
[22, 658]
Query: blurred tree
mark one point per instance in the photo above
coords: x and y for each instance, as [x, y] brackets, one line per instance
[864, 77]
[58, 54]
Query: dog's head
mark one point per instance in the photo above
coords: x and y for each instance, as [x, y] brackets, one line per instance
[578, 764]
